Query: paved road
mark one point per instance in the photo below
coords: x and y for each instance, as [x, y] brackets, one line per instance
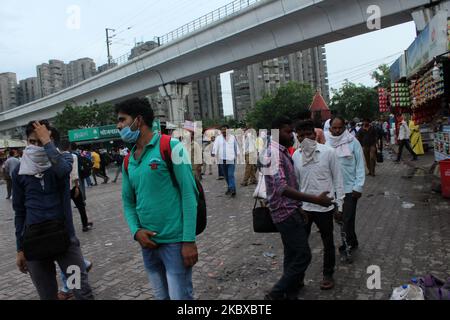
[402, 242]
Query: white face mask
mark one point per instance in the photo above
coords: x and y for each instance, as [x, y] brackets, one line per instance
[34, 161]
[308, 147]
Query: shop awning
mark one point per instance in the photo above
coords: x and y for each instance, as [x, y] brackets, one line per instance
[11, 143]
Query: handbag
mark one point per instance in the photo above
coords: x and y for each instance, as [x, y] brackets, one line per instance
[380, 158]
[45, 240]
[262, 219]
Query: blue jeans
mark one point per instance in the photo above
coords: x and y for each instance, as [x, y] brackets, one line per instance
[228, 170]
[220, 166]
[169, 278]
[64, 279]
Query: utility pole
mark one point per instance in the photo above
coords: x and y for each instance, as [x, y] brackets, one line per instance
[108, 43]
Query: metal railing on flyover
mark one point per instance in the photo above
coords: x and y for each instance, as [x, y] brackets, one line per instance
[205, 20]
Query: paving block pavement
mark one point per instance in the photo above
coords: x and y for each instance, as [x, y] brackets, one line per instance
[404, 241]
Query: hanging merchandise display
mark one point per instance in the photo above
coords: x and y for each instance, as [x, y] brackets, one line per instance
[400, 97]
[383, 100]
[442, 143]
[428, 87]
[427, 93]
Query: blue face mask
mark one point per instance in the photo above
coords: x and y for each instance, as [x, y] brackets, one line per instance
[128, 135]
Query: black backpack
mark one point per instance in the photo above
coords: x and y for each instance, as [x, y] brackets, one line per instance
[84, 167]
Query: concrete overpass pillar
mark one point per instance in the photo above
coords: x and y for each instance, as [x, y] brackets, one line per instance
[176, 93]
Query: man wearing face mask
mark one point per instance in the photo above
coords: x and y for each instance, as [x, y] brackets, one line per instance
[160, 202]
[43, 215]
[351, 159]
[284, 200]
[317, 170]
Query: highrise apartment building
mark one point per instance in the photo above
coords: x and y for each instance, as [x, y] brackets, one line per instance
[251, 83]
[8, 91]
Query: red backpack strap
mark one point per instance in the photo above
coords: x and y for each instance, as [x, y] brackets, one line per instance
[165, 149]
[126, 162]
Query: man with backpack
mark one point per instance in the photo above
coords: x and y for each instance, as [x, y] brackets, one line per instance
[84, 168]
[160, 199]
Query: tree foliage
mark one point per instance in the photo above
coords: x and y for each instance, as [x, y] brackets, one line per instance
[355, 101]
[382, 76]
[291, 100]
[88, 116]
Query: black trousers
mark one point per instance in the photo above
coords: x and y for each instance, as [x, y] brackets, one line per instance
[98, 173]
[297, 256]
[407, 144]
[325, 222]
[350, 204]
[8, 187]
[79, 203]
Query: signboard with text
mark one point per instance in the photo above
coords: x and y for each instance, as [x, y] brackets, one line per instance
[431, 42]
[84, 134]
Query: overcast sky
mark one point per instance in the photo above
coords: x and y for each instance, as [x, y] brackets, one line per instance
[32, 32]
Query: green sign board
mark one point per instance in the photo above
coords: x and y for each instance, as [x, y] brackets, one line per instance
[109, 132]
[84, 134]
[91, 134]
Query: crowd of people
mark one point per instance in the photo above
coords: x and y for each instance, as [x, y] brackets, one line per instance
[313, 174]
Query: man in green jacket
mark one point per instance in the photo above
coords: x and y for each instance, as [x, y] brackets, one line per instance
[160, 210]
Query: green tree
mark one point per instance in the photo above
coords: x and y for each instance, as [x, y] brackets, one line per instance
[382, 76]
[88, 116]
[292, 100]
[355, 101]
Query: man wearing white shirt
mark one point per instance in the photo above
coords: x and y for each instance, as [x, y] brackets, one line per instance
[403, 140]
[226, 151]
[317, 170]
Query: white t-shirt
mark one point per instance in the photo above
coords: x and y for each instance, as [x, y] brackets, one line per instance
[226, 149]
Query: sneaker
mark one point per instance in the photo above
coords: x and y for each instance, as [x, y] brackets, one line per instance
[270, 296]
[228, 193]
[220, 178]
[327, 283]
[88, 227]
[352, 248]
[64, 295]
[233, 194]
[89, 267]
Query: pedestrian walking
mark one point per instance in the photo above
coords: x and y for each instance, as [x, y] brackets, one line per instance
[317, 170]
[76, 193]
[284, 200]
[8, 168]
[403, 140]
[160, 204]
[118, 160]
[208, 160]
[250, 158]
[96, 168]
[368, 137]
[226, 150]
[43, 217]
[351, 160]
